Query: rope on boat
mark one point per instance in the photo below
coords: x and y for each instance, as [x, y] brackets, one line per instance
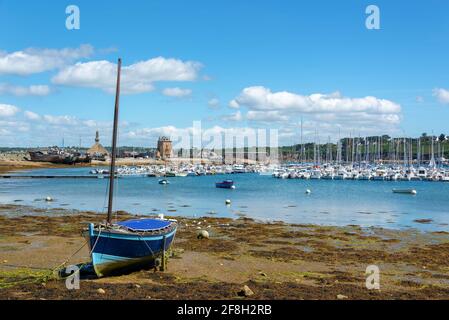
[73, 254]
[140, 236]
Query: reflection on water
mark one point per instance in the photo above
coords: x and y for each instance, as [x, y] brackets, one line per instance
[365, 203]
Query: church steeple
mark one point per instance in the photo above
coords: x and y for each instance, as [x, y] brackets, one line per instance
[97, 137]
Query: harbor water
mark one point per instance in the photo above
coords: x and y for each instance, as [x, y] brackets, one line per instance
[330, 202]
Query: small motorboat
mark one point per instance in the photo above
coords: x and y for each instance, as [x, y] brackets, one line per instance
[164, 181]
[226, 184]
[405, 191]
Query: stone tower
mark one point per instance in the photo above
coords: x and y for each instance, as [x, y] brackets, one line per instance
[164, 147]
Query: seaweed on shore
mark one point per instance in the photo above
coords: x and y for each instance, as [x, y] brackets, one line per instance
[22, 276]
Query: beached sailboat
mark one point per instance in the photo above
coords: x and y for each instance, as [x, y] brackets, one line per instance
[128, 245]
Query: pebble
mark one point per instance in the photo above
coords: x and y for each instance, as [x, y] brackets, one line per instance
[5, 261]
[101, 291]
[137, 286]
[341, 297]
[245, 292]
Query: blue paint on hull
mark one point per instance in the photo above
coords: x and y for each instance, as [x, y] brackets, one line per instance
[227, 184]
[115, 252]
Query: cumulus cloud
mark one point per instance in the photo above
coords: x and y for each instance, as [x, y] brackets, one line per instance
[261, 98]
[7, 110]
[213, 103]
[33, 90]
[31, 115]
[34, 60]
[327, 111]
[29, 128]
[136, 78]
[442, 95]
[234, 104]
[176, 92]
[267, 116]
[237, 116]
[212, 137]
[60, 120]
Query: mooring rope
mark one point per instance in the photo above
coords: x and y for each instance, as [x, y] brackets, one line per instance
[79, 249]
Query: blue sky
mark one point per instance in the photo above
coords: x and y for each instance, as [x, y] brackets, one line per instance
[231, 64]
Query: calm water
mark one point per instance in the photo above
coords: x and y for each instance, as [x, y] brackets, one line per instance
[365, 203]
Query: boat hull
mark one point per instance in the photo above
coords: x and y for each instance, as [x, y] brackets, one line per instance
[223, 186]
[228, 184]
[115, 253]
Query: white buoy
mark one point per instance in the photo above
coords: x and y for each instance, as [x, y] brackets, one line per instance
[228, 202]
[48, 199]
[308, 191]
[203, 234]
[232, 187]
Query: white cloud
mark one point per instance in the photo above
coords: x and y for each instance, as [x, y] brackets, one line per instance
[181, 137]
[269, 116]
[60, 120]
[136, 78]
[261, 98]
[176, 92]
[213, 103]
[442, 95]
[32, 60]
[33, 90]
[327, 111]
[7, 110]
[233, 117]
[234, 104]
[31, 115]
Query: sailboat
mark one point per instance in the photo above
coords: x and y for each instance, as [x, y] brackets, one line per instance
[127, 245]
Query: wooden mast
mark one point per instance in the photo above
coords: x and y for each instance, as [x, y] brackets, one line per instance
[114, 143]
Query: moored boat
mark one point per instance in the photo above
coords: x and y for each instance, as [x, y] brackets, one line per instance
[405, 191]
[128, 245]
[226, 184]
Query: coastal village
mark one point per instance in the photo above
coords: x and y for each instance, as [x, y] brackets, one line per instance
[297, 261]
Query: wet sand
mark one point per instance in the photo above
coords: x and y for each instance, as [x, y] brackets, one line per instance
[276, 260]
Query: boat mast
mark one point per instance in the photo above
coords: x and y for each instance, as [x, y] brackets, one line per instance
[114, 143]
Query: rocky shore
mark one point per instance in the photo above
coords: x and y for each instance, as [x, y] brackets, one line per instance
[273, 260]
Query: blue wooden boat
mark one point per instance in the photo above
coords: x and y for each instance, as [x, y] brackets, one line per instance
[128, 245]
[226, 184]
